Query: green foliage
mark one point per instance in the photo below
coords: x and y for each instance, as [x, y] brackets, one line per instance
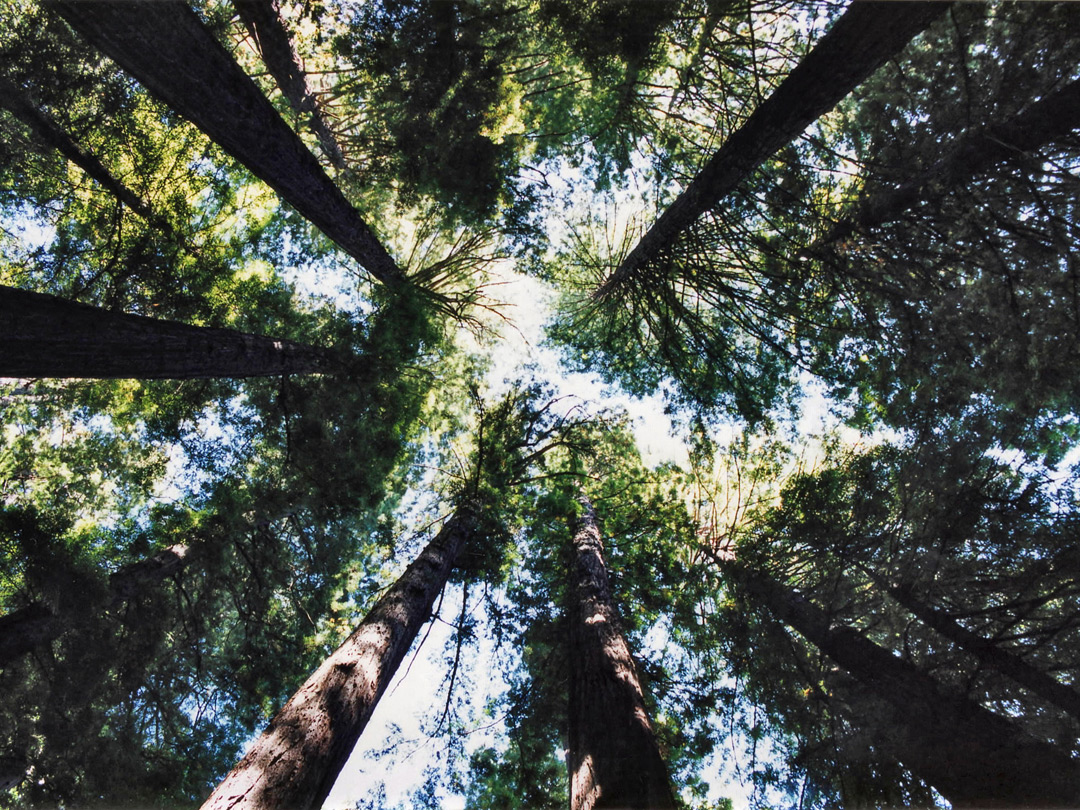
[468, 129]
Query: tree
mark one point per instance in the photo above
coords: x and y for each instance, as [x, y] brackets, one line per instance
[974, 757]
[895, 215]
[168, 49]
[15, 101]
[1051, 118]
[299, 755]
[296, 760]
[47, 336]
[613, 758]
[858, 43]
[262, 18]
[989, 654]
[37, 624]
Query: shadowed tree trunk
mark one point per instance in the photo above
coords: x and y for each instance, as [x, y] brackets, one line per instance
[36, 624]
[166, 47]
[293, 765]
[262, 18]
[1047, 120]
[973, 757]
[46, 336]
[613, 759]
[15, 101]
[988, 653]
[865, 36]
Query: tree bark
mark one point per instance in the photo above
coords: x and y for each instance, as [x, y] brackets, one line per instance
[166, 47]
[614, 759]
[973, 757]
[46, 336]
[262, 18]
[988, 653]
[865, 36]
[293, 765]
[24, 630]
[1047, 120]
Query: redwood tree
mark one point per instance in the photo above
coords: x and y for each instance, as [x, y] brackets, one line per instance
[168, 49]
[972, 756]
[613, 757]
[859, 42]
[295, 761]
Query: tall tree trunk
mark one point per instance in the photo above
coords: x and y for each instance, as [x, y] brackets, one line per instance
[24, 630]
[46, 336]
[865, 36]
[973, 757]
[1047, 120]
[988, 653]
[293, 765]
[166, 47]
[614, 760]
[262, 18]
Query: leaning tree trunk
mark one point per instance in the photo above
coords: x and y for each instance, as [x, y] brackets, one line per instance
[293, 765]
[613, 759]
[166, 47]
[14, 100]
[262, 18]
[1044, 122]
[46, 336]
[989, 654]
[972, 756]
[30, 627]
[858, 43]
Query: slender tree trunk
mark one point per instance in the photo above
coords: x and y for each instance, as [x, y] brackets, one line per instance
[1047, 120]
[865, 36]
[15, 101]
[46, 336]
[973, 757]
[262, 18]
[989, 653]
[166, 47]
[293, 765]
[614, 760]
[30, 627]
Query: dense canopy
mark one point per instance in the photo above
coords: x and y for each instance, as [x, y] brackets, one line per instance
[335, 331]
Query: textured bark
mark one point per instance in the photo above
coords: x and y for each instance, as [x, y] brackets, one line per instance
[1044, 122]
[166, 47]
[262, 18]
[613, 759]
[30, 627]
[293, 765]
[989, 653]
[865, 36]
[973, 757]
[46, 336]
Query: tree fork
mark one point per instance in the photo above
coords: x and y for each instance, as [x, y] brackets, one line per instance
[47, 336]
[165, 46]
[974, 757]
[614, 760]
[865, 36]
[293, 765]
